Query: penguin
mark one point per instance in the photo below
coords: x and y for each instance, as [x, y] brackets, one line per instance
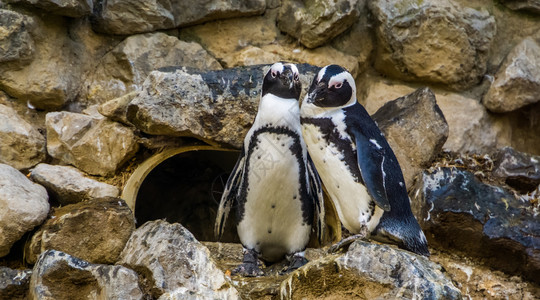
[356, 164]
[274, 186]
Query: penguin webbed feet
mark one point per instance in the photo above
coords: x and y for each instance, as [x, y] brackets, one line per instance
[346, 242]
[250, 265]
[296, 261]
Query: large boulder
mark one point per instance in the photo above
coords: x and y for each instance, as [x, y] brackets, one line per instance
[519, 170]
[95, 230]
[69, 8]
[523, 5]
[415, 128]
[130, 17]
[314, 23]
[456, 40]
[21, 145]
[172, 262]
[58, 275]
[125, 68]
[517, 83]
[23, 205]
[215, 106]
[96, 146]
[68, 185]
[370, 271]
[459, 212]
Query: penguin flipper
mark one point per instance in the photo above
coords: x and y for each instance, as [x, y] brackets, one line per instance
[229, 195]
[371, 158]
[316, 193]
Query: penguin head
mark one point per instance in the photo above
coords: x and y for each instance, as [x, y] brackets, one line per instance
[333, 87]
[282, 80]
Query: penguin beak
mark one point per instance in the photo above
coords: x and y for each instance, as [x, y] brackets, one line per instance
[318, 94]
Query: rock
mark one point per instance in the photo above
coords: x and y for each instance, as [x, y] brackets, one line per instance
[532, 6]
[68, 185]
[120, 17]
[370, 271]
[23, 205]
[314, 23]
[215, 106]
[16, 44]
[54, 75]
[116, 109]
[21, 145]
[250, 56]
[415, 129]
[520, 170]
[458, 212]
[95, 230]
[172, 261]
[348, 41]
[517, 83]
[124, 69]
[69, 8]
[96, 146]
[14, 283]
[58, 275]
[455, 38]
[471, 128]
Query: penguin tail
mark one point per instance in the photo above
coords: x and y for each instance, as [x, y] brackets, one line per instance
[407, 235]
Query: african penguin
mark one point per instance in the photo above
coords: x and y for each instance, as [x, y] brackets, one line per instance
[274, 186]
[357, 166]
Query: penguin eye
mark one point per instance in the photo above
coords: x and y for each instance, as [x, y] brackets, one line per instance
[296, 77]
[274, 74]
[338, 85]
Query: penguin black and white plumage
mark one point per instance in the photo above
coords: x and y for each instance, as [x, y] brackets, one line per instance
[274, 186]
[356, 164]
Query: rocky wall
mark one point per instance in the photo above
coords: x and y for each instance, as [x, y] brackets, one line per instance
[89, 89]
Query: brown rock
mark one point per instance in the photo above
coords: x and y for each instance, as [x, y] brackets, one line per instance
[416, 130]
[96, 146]
[69, 8]
[314, 23]
[16, 44]
[94, 230]
[517, 83]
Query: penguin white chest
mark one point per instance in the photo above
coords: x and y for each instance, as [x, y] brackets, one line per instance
[272, 222]
[354, 206]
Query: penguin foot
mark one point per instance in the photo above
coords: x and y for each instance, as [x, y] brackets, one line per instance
[250, 265]
[346, 242]
[295, 261]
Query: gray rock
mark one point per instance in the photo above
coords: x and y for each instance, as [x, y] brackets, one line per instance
[96, 146]
[53, 76]
[458, 212]
[121, 17]
[174, 263]
[16, 44]
[517, 83]
[95, 230]
[21, 145]
[126, 67]
[215, 106]
[58, 275]
[370, 271]
[456, 39]
[23, 205]
[69, 8]
[519, 170]
[68, 185]
[14, 283]
[314, 23]
[415, 128]
[524, 5]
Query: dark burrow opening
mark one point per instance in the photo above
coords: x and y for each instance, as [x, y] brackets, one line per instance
[186, 189]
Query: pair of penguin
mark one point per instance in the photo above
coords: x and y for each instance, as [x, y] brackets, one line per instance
[275, 186]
